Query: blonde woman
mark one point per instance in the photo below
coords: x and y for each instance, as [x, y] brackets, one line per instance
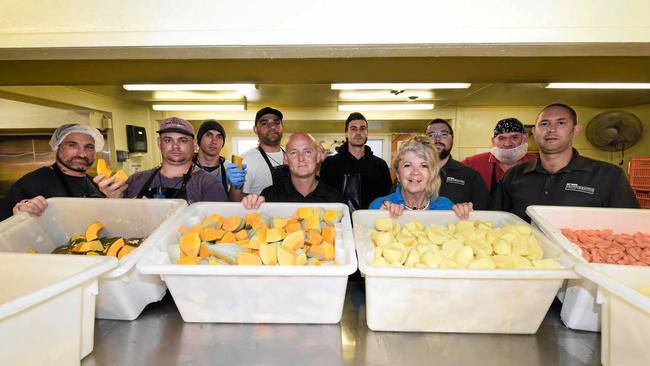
[418, 174]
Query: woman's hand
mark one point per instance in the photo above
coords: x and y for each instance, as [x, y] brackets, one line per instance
[34, 206]
[109, 187]
[253, 201]
[462, 210]
[394, 209]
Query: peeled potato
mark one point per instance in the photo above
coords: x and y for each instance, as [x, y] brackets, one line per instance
[482, 263]
[384, 224]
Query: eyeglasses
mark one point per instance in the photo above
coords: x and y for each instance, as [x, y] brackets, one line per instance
[438, 134]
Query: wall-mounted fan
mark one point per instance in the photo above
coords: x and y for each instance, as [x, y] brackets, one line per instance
[614, 131]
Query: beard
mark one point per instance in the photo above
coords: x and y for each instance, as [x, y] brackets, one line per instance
[68, 163]
[443, 154]
[270, 139]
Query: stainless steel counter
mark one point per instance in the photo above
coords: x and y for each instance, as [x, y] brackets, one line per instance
[160, 337]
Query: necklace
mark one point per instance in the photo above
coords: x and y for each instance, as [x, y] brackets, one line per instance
[417, 208]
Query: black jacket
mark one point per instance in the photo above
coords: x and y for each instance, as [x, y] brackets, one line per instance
[460, 183]
[372, 171]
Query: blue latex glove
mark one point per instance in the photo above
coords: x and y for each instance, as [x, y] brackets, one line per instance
[235, 175]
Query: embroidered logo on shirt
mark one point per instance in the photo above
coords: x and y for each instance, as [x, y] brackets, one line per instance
[578, 188]
[453, 180]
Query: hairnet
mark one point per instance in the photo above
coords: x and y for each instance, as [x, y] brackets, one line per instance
[63, 131]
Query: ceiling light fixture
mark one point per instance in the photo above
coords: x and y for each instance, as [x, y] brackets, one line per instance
[386, 107]
[188, 96]
[151, 87]
[598, 86]
[199, 107]
[400, 86]
[384, 95]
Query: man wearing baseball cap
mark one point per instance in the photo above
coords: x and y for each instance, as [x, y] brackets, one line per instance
[75, 146]
[266, 161]
[176, 177]
[509, 148]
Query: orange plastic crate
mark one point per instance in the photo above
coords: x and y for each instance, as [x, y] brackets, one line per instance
[643, 196]
[639, 172]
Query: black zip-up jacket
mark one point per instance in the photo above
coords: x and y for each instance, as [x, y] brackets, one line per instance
[374, 175]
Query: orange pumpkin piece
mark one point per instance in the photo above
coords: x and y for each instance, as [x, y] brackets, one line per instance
[294, 226]
[92, 231]
[188, 260]
[286, 257]
[294, 240]
[313, 237]
[268, 253]
[301, 260]
[102, 168]
[248, 259]
[329, 234]
[273, 235]
[228, 238]
[260, 225]
[115, 248]
[252, 218]
[332, 216]
[232, 223]
[210, 234]
[120, 175]
[125, 250]
[190, 244]
[241, 235]
[203, 251]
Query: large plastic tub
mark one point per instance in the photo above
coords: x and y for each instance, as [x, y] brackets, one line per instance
[123, 292]
[253, 294]
[456, 300]
[42, 298]
[579, 307]
[625, 312]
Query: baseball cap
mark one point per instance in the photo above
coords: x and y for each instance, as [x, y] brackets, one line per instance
[268, 110]
[64, 130]
[175, 124]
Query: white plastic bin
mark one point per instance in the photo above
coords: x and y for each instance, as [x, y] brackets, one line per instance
[456, 300]
[123, 292]
[253, 294]
[41, 299]
[625, 313]
[579, 307]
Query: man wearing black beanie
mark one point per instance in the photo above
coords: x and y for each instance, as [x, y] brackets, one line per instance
[211, 138]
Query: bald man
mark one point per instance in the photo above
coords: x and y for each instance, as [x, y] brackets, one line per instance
[302, 156]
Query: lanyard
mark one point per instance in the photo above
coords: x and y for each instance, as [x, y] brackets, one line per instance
[177, 193]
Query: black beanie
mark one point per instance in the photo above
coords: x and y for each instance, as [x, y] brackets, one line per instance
[207, 126]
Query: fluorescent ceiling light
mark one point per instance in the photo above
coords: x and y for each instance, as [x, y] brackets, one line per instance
[198, 107]
[245, 125]
[400, 86]
[188, 96]
[598, 86]
[384, 95]
[386, 107]
[149, 87]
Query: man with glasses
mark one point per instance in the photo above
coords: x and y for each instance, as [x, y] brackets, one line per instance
[560, 176]
[354, 171]
[460, 183]
[265, 163]
[509, 148]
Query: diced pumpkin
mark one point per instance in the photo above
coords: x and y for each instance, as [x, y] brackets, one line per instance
[248, 259]
[286, 257]
[324, 251]
[254, 243]
[125, 250]
[92, 253]
[304, 212]
[279, 223]
[212, 261]
[268, 254]
[301, 259]
[243, 243]
[241, 235]
[252, 218]
[213, 220]
[188, 260]
[260, 225]
[313, 237]
[329, 234]
[273, 235]
[228, 238]
[312, 223]
[260, 235]
[294, 240]
[332, 216]
[120, 175]
[313, 262]
[115, 247]
[233, 223]
[227, 252]
[94, 245]
[102, 168]
[294, 226]
[190, 244]
[195, 228]
[92, 231]
[203, 251]
[210, 234]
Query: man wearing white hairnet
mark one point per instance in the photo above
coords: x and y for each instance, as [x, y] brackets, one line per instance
[75, 146]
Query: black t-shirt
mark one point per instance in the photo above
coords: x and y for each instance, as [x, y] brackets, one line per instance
[45, 182]
[460, 183]
[583, 182]
[285, 192]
